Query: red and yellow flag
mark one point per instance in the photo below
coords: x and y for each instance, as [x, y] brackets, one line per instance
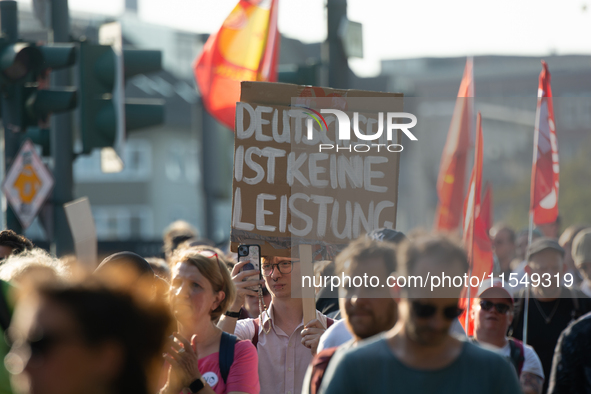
[452, 170]
[246, 48]
[545, 169]
[476, 239]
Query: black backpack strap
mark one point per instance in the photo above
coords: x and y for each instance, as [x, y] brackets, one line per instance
[226, 355]
[517, 354]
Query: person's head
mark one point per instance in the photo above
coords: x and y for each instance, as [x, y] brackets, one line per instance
[492, 311]
[201, 286]
[278, 273]
[32, 267]
[428, 315]
[503, 239]
[126, 270]
[545, 256]
[581, 252]
[521, 242]
[251, 303]
[566, 241]
[160, 268]
[177, 233]
[551, 230]
[73, 338]
[13, 243]
[367, 310]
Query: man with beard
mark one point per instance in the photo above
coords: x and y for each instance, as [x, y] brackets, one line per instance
[366, 311]
[419, 355]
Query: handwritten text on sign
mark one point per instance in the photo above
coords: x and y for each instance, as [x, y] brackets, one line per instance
[284, 187]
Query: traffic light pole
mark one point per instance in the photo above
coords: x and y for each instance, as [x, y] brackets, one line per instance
[61, 139]
[10, 107]
[338, 67]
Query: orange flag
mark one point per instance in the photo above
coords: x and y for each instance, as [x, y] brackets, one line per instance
[246, 48]
[452, 170]
[487, 207]
[476, 239]
[545, 169]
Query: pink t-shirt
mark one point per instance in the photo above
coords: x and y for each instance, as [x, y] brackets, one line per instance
[243, 375]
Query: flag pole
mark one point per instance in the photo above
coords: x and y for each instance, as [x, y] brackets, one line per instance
[526, 302]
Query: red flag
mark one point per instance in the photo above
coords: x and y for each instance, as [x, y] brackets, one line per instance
[476, 239]
[246, 48]
[487, 207]
[545, 170]
[452, 170]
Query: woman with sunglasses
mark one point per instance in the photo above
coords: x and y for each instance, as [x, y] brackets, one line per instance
[86, 338]
[201, 291]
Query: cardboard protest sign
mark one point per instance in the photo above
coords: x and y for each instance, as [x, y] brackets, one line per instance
[83, 231]
[295, 182]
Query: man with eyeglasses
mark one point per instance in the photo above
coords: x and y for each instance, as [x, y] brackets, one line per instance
[285, 346]
[419, 355]
[493, 313]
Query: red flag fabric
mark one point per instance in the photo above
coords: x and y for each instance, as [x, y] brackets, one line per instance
[545, 169]
[476, 239]
[246, 48]
[487, 207]
[452, 170]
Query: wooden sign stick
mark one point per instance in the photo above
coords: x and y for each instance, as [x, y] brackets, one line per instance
[308, 296]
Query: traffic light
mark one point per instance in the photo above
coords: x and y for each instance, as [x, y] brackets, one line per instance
[17, 60]
[99, 94]
[299, 74]
[23, 68]
[39, 102]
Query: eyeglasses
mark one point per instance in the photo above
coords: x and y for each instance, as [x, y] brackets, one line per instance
[284, 267]
[426, 311]
[500, 307]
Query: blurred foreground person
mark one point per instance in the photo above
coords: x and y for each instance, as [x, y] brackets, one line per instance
[81, 339]
[340, 332]
[366, 311]
[571, 364]
[493, 313]
[200, 357]
[419, 355]
[13, 243]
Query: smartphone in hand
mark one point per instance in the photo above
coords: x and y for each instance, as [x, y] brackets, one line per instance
[252, 254]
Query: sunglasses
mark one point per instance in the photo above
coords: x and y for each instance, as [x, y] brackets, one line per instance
[488, 305]
[426, 311]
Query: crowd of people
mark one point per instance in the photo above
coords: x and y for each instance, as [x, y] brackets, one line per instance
[195, 321]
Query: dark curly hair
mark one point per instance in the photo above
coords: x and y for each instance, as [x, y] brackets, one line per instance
[17, 242]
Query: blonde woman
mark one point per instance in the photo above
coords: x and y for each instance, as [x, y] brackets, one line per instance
[200, 358]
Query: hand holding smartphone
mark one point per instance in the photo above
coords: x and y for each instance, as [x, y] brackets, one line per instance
[252, 254]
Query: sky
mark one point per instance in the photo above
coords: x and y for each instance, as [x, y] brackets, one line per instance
[400, 29]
